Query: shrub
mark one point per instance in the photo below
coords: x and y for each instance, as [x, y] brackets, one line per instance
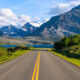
[13, 49]
[67, 42]
[69, 46]
[3, 52]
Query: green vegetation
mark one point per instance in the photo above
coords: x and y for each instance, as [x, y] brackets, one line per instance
[67, 42]
[11, 53]
[71, 60]
[69, 46]
[69, 49]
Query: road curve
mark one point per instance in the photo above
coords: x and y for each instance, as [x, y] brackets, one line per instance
[39, 65]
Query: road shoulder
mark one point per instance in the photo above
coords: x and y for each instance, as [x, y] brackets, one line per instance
[73, 61]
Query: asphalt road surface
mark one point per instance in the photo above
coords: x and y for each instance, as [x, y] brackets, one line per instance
[39, 65]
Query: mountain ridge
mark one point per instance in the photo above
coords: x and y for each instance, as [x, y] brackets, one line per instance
[62, 25]
[66, 24]
[13, 31]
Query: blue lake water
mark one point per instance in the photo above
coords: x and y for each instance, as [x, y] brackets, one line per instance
[8, 46]
[35, 46]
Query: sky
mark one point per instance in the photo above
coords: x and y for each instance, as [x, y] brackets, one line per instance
[19, 12]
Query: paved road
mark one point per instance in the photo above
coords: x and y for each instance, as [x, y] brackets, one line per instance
[39, 65]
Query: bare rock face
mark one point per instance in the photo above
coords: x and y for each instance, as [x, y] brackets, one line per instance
[13, 31]
[63, 25]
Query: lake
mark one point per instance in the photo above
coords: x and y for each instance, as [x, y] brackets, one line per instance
[35, 46]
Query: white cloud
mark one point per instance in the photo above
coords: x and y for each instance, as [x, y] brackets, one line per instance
[7, 16]
[63, 7]
[36, 21]
[36, 24]
[8, 13]
[46, 19]
[22, 19]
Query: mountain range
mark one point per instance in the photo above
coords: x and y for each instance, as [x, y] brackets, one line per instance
[62, 25]
[57, 27]
[12, 31]
[28, 28]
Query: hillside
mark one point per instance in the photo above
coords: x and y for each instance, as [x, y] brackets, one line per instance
[27, 40]
[13, 31]
[62, 25]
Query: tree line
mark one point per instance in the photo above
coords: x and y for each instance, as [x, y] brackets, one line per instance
[69, 46]
[67, 42]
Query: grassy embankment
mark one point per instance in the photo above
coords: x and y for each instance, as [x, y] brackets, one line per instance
[12, 53]
[71, 60]
[69, 49]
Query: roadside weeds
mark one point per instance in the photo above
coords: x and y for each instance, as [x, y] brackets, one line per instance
[71, 60]
[15, 55]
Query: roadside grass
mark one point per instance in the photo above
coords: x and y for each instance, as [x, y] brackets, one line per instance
[71, 60]
[14, 55]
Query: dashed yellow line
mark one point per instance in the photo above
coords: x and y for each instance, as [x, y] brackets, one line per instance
[35, 75]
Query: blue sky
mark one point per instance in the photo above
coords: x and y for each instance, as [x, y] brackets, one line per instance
[18, 12]
[32, 8]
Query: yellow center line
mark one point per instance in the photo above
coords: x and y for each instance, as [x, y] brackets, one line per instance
[37, 74]
[36, 69]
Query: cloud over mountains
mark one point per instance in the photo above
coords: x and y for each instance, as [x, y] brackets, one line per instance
[7, 16]
[63, 7]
